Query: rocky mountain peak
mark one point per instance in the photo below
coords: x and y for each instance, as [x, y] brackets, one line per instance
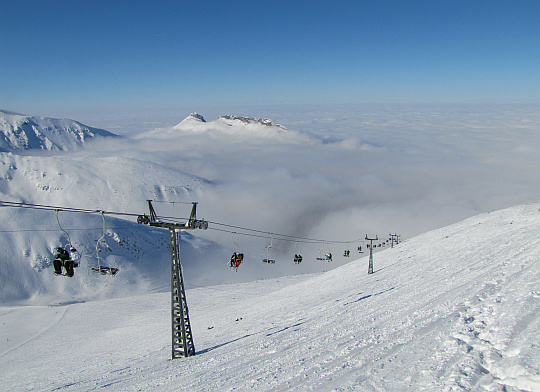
[197, 116]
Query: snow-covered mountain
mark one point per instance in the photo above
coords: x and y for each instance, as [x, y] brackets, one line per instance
[19, 132]
[230, 120]
[257, 129]
[107, 183]
[454, 309]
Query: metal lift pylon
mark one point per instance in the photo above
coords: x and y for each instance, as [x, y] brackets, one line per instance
[370, 266]
[181, 336]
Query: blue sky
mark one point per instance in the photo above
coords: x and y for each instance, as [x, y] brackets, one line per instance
[96, 55]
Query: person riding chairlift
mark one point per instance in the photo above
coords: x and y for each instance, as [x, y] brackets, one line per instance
[236, 259]
[64, 259]
[239, 259]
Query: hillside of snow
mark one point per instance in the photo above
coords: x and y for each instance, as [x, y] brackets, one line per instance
[29, 237]
[102, 182]
[454, 309]
[19, 132]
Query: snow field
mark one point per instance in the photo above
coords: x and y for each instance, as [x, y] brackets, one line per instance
[455, 309]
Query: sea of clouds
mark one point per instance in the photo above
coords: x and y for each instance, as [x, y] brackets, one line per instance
[353, 170]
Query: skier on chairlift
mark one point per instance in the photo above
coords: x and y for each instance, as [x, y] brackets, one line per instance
[328, 256]
[236, 259]
[74, 256]
[63, 259]
[239, 259]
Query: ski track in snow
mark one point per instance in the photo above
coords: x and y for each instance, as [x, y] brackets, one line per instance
[455, 309]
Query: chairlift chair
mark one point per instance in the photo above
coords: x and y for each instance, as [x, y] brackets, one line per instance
[237, 257]
[101, 269]
[268, 260]
[66, 256]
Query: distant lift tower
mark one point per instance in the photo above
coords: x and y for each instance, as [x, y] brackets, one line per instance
[370, 267]
[182, 339]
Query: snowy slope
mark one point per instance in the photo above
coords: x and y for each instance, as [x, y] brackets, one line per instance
[29, 239]
[114, 183]
[19, 132]
[455, 309]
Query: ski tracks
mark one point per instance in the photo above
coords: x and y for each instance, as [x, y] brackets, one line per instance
[40, 320]
[488, 340]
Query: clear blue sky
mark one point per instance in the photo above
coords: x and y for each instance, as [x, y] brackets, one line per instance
[100, 54]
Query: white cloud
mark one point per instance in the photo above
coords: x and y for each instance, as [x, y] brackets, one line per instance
[336, 174]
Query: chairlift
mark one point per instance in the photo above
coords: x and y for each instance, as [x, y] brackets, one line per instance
[101, 269]
[236, 260]
[346, 253]
[326, 257]
[268, 259]
[237, 257]
[64, 258]
[297, 257]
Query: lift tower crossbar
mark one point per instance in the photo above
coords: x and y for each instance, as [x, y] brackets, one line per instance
[181, 336]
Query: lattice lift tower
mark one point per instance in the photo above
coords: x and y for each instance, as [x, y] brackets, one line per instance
[370, 266]
[182, 338]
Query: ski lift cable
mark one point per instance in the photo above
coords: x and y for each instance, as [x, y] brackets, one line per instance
[264, 234]
[72, 209]
[57, 208]
[285, 237]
